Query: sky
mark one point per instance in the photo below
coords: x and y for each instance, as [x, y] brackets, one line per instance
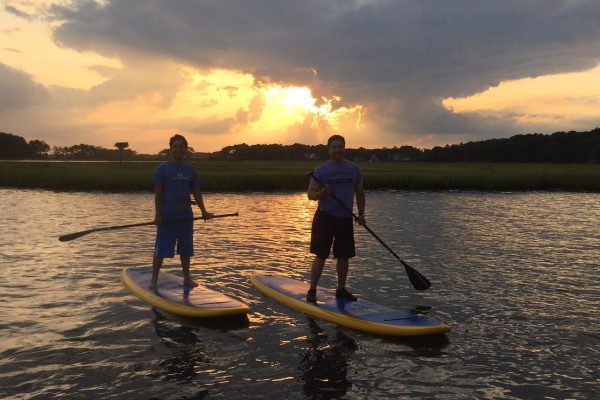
[382, 73]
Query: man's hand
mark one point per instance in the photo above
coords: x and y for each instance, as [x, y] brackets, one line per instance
[361, 219]
[324, 191]
[207, 216]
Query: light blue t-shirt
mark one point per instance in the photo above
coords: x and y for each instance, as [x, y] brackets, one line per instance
[177, 181]
[343, 178]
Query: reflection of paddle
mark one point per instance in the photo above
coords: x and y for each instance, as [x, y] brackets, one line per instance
[418, 281]
[76, 235]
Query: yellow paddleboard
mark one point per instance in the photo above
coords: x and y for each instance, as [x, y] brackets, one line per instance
[179, 299]
[360, 315]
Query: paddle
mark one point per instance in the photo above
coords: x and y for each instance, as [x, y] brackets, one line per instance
[418, 281]
[76, 235]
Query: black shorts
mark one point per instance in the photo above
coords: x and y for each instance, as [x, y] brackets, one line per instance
[327, 230]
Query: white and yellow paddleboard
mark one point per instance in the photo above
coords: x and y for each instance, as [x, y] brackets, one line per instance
[179, 299]
[360, 315]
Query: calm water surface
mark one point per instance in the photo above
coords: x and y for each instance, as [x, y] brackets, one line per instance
[516, 275]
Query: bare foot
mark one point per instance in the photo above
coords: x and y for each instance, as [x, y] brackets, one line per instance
[153, 286]
[189, 282]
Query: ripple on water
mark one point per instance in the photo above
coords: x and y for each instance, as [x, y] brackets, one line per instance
[514, 274]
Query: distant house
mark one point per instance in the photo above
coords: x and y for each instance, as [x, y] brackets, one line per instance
[311, 156]
[373, 158]
[231, 155]
[399, 157]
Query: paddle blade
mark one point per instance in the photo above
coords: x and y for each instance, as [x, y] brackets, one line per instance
[418, 281]
[73, 236]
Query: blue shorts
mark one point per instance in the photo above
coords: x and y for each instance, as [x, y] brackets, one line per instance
[167, 235]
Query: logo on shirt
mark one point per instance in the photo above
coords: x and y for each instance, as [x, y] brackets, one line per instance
[181, 177]
[337, 181]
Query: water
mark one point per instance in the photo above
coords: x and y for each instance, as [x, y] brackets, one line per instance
[516, 275]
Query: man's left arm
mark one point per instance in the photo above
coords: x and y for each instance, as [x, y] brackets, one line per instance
[200, 202]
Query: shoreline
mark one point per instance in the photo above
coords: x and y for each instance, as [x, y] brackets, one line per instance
[291, 176]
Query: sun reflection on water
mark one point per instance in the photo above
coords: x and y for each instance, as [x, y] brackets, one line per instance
[515, 275]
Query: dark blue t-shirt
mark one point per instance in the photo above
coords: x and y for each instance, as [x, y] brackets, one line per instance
[343, 179]
[177, 181]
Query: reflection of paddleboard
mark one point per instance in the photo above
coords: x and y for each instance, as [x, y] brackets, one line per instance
[179, 299]
[360, 315]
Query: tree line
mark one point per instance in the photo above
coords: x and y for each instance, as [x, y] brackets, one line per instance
[559, 147]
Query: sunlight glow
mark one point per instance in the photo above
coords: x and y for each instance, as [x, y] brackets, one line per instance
[551, 99]
[217, 107]
[28, 46]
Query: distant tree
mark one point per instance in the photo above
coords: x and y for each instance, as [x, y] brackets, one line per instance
[166, 153]
[39, 148]
[89, 152]
[121, 146]
[13, 147]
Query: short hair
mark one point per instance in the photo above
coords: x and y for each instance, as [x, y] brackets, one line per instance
[175, 137]
[335, 137]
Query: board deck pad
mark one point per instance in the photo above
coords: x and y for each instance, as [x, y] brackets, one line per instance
[179, 299]
[361, 315]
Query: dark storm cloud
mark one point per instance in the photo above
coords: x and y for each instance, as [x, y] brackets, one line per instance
[411, 52]
[18, 90]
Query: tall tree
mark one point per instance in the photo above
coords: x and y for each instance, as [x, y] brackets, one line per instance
[121, 146]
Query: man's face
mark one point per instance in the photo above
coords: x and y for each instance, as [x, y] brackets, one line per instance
[178, 150]
[336, 150]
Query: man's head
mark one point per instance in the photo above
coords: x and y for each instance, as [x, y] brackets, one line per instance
[175, 137]
[336, 145]
[178, 145]
[335, 137]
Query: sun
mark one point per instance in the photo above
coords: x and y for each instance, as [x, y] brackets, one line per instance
[298, 97]
[293, 99]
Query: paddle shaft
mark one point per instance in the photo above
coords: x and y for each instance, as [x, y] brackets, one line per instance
[72, 236]
[174, 221]
[356, 217]
[416, 278]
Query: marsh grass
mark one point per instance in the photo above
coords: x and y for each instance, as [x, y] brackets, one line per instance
[292, 175]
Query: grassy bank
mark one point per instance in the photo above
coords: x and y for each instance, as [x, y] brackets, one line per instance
[282, 175]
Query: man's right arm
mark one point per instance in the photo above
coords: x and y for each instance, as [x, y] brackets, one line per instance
[314, 192]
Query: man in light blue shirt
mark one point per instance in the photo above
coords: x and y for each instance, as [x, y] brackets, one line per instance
[174, 181]
[332, 223]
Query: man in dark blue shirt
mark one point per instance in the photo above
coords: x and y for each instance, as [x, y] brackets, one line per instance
[332, 223]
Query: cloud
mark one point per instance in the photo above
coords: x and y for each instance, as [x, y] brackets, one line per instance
[419, 46]
[15, 11]
[209, 127]
[19, 90]
[27, 9]
[398, 58]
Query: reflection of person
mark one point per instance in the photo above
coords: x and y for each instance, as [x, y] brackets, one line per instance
[174, 180]
[324, 365]
[186, 353]
[332, 223]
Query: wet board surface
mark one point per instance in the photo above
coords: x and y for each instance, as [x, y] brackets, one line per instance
[179, 299]
[360, 315]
